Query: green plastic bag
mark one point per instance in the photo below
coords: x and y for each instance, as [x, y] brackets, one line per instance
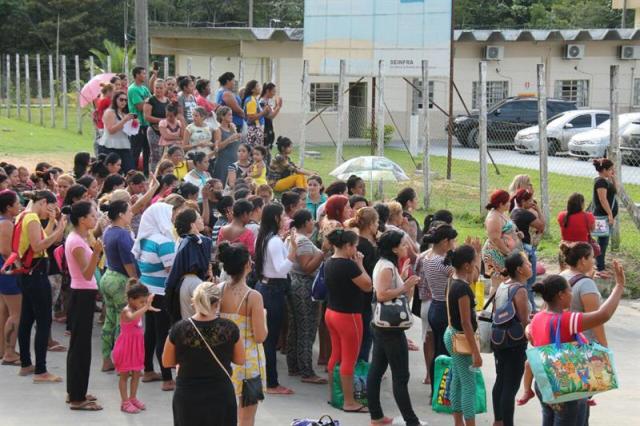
[359, 385]
[441, 402]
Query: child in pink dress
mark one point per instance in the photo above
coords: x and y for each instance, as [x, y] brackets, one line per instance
[128, 352]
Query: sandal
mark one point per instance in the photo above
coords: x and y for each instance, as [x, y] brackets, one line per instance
[88, 397]
[46, 378]
[26, 371]
[528, 394]
[138, 404]
[151, 376]
[360, 409]
[280, 390]
[315, 380]
[383, 421]
[128, 407]
[168, 385]
[57, 348]
[86, 406]
[15, 362]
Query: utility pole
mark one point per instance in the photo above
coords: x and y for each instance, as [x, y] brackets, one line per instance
[142, 34]
[250, 13]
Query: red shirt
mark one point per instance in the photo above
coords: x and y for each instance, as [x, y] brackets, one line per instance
[204, 103]
[101, 107]
[540, 327]
[578, 228]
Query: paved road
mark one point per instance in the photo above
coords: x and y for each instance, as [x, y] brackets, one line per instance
[25, 404]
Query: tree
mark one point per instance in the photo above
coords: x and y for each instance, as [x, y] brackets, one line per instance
[117, 58]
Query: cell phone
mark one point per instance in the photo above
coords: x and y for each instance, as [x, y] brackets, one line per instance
[135, 115]
[156, 65]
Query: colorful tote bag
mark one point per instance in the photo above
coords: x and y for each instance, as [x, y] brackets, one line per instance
[441, 399]
[570, 371]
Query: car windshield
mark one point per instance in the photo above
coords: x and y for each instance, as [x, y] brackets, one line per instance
[555, 117]
[623, 120]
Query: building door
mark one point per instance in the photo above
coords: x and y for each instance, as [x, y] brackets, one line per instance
[357, 110]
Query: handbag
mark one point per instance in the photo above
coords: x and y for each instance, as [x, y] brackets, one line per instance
[319, 286]
[592, 242]
[252, 391]
[325, 420]
[507, 330]
[393, 314]
[441, 398]
[570, 371]
[459, 340]
[602, 228]
[485, 321]
[360, 373]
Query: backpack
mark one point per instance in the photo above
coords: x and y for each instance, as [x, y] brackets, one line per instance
[507, 330]
[16, 264]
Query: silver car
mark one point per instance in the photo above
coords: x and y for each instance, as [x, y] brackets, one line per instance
[560, 129]
[595, 143]
[630, 144]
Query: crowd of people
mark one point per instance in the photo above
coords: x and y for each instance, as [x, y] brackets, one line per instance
[200, 251]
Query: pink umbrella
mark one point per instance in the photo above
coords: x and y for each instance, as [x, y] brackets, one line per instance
[91, 90]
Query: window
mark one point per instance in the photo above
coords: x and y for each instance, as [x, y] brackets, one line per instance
[601, 118]
[324, 95]
[581, 121]
[417, 95]
[573, 91]
[636, 92]
[497, 91]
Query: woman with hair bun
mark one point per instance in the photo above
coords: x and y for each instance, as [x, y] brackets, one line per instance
[557, 294]
[245, 308]
[204, 346]
[604, 204]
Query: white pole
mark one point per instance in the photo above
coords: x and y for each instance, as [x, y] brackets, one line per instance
[39, 79]
[341, 111]
[274, 70]
[614, 142]
[91, 65]
[65, 101]
[52, 93]
[544, 151]
[189, 65]
[27, 87]
[18, 106]
[109, 63]
[426, 149]
[380, 121]
[482, 137]
[211, 69]
[166, 67]
[240, 73]
[8, 100]
[78, 88]
[304, 109]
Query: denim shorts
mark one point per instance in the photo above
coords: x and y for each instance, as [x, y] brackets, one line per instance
[8, 283]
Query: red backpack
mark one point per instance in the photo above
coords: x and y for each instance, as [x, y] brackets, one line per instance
[16, 264]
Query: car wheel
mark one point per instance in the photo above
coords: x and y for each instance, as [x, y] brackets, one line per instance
[472, 139]
[554, 147]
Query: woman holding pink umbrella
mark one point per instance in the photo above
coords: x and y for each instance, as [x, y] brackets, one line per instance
[101, 104]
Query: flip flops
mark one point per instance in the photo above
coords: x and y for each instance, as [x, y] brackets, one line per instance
[15, 362]
[314, 380]
[57, 348]
[46, 378]
[361, 409]
[86, 406]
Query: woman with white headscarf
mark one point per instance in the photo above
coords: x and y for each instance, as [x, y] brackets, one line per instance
[154, 250]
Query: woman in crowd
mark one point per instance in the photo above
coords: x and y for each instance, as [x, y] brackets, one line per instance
[435, 274]
[165, 167]
[181, 166]
[35, 285]
[111, 183]
[557, 294]
[227, 141]
[408, 199]
[10, 294]
[315, 195]
[225, 216]
[356, 186]
[397, 222]
[511, 356]
[154, 110]
[528, 222]
[197, 136]
[291, 202]
[502, 237]
[273, 264]
[302, 310]
[225, 96]
[82, 261]
[101, 105]
[170, 129]
[240, 168]
[245, 308]
[575, 223]
[268, 98]
[114, 139]
[64, 183]
[199, 175]
[520, 182]
[81, 162]
[168, 185]
[154, 250]
[191, 265]
[254, 113]
[204, 346]
[390, 346]
[187, 102]
[461, 311]
[604, 204]
[121, 266]
[346, 280]
[283, 174]
[236, 231]
[113, 163]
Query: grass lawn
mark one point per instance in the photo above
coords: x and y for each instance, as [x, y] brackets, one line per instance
[20, 140]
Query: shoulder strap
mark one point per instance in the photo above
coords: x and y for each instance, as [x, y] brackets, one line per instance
[447, 299]
[242, 301]
[213, 354]
[576, 278]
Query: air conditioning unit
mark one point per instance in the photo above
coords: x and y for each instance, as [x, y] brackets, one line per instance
[574, 51]
[494, 53]
[629, 52]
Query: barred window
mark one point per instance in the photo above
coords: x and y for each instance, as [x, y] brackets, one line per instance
[416, 97]
[497, 91]
[573, 91]
[636, 92]
[324, 95]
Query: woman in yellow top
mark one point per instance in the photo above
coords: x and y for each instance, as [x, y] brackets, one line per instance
[254, 114]
[36, 289]
[258, 171]
[180, 166]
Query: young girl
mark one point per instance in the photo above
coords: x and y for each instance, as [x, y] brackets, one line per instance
[128, 353]
[259, 170]
[170, 127]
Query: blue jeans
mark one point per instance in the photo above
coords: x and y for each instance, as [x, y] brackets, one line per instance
[572, 413]
[438, 321]
[604, 243]
[273, 295]
[533, 259]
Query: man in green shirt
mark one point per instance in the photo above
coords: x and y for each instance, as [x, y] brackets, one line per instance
[138, 93]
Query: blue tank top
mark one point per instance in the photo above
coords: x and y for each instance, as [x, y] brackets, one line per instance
[237, 120]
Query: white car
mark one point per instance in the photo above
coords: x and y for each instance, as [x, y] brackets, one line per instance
[560, 129]
[594, 143]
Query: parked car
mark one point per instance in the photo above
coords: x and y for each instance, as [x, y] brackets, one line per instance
[630, 144]
[560, 128]
[505, 119]
[595, 143]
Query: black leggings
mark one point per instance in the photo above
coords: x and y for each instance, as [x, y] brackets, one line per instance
[82, 307]
[157, 326]
[438, 321]
[36, 309]
[509, 371]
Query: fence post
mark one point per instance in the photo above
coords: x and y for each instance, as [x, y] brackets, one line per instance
[482, 137]
[65, 101]
[240, 73]
[52, 93]
[544, 151]
[39, 86]
[109, 63]
[614, 143]
[189, 65]
[304, 109]
[27, 87]
[166, 67]
[78, 88]
[341, 109]
[91, 65]
[274, 70]
[380, 122]
[8, 99]
[211, 69]
[426, 149]
[18, 106]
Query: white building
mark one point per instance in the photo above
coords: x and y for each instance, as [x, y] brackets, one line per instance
[577, 68]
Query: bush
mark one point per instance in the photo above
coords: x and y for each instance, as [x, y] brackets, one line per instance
[388, 133]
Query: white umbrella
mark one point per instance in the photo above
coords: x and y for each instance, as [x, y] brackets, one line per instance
[372, 169]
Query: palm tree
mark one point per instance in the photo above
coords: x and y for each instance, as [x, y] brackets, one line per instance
[117, 54]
